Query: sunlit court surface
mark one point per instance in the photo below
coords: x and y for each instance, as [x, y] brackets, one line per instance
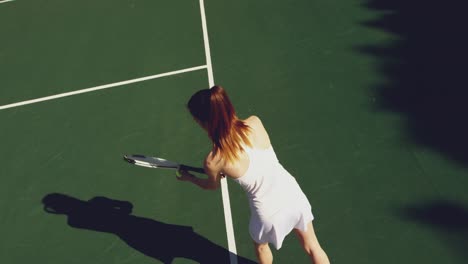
[365, 106]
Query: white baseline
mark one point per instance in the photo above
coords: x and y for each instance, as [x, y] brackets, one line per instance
[101, 87]
[4, 1]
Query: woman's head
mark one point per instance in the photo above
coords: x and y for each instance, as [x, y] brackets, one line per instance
[207, 106]
[213, 110]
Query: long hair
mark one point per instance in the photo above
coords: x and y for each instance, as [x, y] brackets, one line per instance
[214, 111]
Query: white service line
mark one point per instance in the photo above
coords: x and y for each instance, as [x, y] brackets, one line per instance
[207, 45]
[4, 1]
[101, 87]
[224, 186]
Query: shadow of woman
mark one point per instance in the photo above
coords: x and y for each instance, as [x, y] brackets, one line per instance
[155, 239]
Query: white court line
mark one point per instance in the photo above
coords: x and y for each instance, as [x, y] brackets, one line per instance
[224, 186]
[101, 87]
[207, 45]
[4, 1]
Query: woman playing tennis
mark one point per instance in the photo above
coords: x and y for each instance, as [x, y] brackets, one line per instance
[242, 151]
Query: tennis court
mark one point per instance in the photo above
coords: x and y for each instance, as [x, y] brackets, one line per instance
[113, 77]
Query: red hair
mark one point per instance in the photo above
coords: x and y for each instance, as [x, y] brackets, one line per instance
[215, 112]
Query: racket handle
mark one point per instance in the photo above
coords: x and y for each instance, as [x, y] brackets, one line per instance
[189, 168]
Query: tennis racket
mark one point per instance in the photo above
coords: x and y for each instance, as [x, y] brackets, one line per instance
[154, 162]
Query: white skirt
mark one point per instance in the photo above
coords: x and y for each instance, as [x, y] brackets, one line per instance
[275, 228]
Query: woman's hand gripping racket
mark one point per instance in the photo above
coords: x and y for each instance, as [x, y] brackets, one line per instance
[154, 162]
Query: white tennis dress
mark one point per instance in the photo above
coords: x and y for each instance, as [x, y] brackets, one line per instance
[277, 203]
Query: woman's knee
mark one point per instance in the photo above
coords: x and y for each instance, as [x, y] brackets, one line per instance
[262, 247]
[308, 239]
[311, 248]
[263, 253]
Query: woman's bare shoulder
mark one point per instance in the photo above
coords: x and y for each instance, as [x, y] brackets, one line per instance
[259, 133]
[253, 121]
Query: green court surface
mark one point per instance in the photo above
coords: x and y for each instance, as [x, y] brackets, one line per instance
[311, 70]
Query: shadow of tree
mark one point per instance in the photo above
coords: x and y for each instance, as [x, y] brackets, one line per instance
[449, 220]
[153, 238]
[426, 70]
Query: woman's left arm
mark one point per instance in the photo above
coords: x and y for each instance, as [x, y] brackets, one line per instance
[212, 169]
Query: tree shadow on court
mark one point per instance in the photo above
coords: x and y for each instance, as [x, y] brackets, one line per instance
[153, 238]
[426, 70]
[448, 219]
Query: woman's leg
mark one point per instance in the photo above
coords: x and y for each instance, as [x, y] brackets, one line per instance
[311, 245]
[263, 253]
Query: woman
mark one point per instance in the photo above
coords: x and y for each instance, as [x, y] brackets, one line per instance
[242, 151]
